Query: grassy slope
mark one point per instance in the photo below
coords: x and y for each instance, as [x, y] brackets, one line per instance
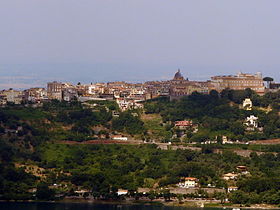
[27, 113]
[153, 124]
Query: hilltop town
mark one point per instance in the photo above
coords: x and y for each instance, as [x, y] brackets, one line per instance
[127, 95]
[178, 141]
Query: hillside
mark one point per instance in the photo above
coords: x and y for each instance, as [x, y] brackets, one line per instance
[36, 161]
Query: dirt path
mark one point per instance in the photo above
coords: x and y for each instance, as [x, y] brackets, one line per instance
[269, 141]
[130, 142]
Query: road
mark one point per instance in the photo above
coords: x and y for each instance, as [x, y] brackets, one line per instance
[163, 146]
[167, 146]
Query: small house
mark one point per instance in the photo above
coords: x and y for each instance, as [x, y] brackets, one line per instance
[230, 176]
[247, 104]
[242, 169]
[188, 182]
[251, 121]
[119, 137]
[115, 114]
[81, 192]
[122, 192]
[183, 125]
[232, 189]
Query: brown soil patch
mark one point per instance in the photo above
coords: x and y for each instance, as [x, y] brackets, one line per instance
[32, 169]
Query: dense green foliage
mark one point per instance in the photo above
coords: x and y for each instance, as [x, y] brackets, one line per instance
[220, 114]
[14, 183]
[104, 167]
[128, 123]
[117, 164]
[30, 136]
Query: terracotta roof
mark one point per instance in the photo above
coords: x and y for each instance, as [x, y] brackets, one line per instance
[191, 178]
[183, 123]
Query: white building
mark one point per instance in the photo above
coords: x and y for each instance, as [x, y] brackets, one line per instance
[126, 104]
[251, 121]
[119, 137]
[232, 189]
[122, 192]
[247, 104]
[230, 176]
[188, 182]
[95, 89]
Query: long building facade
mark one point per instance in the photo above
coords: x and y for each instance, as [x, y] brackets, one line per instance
[174, 88]
[240, 81]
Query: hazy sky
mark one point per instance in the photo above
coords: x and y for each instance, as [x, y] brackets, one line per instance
[135, 40]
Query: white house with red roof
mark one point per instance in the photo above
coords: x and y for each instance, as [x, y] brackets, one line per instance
[188, 182]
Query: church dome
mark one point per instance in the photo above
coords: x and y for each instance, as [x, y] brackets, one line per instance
[178, 76]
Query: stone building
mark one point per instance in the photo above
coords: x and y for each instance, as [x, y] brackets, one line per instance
[35, 94]
[180, 87]
[240, 81]
[54, 90]
[13, 96]
[178, 76]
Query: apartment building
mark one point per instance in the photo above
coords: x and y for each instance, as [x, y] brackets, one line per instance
[35, 94]
[54, 90]
[13, 96]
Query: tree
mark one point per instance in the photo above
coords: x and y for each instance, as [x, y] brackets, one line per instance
[214, 94]
[237, 128]
[85, 195]
[207, 149]
[128, 123]
[2, 130]
[268, 80]
[44, 192]
[166, 195]
[220, 196]
[239, 197]
[180, 198]
[152, 195]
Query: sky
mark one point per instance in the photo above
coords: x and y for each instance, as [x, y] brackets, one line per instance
[135, 40]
